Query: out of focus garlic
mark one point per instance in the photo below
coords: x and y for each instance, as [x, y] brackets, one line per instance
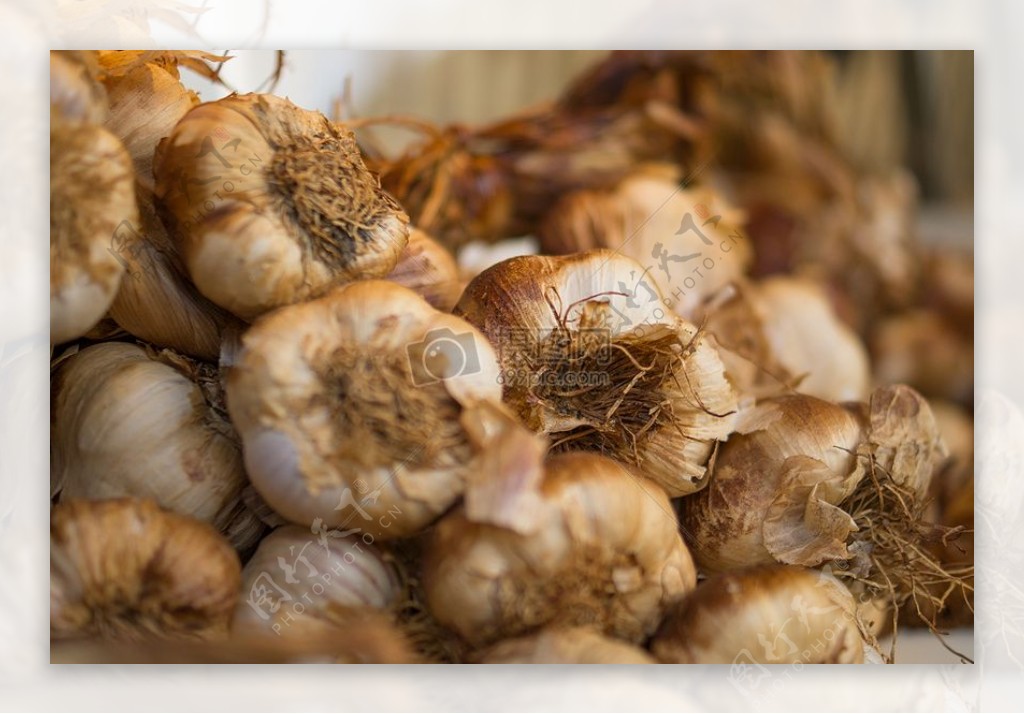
[568, 645]
[128, 421]
[764, 615]
[272, 204]
[350, 408]
[688, 239]
[786, 331]
[92, 196]
[75, 92]
[812, 482]
[428, 269]
[592, 357]
[157, 302]
[302, 580]
[578, 540]
[126, 569]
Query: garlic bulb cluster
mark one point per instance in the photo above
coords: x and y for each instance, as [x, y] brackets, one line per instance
[565, 645]
[782, 331]
[592, 357]
[125, 569]
[351, 408]
[811, 482]
[92, 199]
[688, 239]
[130, 421]
[302, 580]
[272, 204]
[428, 269]
[763, 615]
[579, 540]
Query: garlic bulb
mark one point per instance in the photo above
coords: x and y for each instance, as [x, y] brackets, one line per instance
[579, 540]
[157, 302]
[272, 204]
[812, 482]
[146, 100]
[302, 580]
[764, 615]
[428, 269]
[92, 198]
[75, 92]
[350, 408]
[797, 334]
[591, 356]
[128, 421]
[688, 239]
[569, 645]
[127, 569]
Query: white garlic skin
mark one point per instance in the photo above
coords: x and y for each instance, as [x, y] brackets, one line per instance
[126, 424]
[301, 579]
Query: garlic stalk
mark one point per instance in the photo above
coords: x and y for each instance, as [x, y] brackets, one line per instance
[129, 421]
[303, 580]
[591, 356]
[92, 199]
[126, 569]
[157, 302]
[272, 205]
[688, 239]
[428, 269]
[350, 408]
[764, 615]
[569, 645]
[578, 540]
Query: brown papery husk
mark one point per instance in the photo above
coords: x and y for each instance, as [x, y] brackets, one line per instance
[75, 90]
[428, 269]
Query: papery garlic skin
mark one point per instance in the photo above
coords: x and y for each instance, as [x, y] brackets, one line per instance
[75, 91]
[349, 408]
[272, 204]
[428, 269]
[156, 301]
[650, 214]
[570, 645]
[92, 196]
[128, 421]
[656, 394]
[764, 615]
[126, 569]
[301, 580]
[603, 549]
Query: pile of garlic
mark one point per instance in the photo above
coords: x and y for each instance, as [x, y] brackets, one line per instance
[286, 427]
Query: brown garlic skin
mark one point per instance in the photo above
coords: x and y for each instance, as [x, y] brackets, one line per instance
[593, 358]
[272, 205]
[795, 485]
[598, 546]
[301, 581]
[348, 415]
[569, 645]
[128, 421]
[92, 195]
[763, 615]
[126, 569]
[75, 91]
[428, 269]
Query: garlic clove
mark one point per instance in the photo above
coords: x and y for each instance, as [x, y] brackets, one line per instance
[92, 197]
[607, 554]
[764, 615]
[349, 408]
[272, 204]
[75, 91]
[570, 645]
[173, 577]
[428, 269]
[303, 579]
[592, 358]
[114, 401]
